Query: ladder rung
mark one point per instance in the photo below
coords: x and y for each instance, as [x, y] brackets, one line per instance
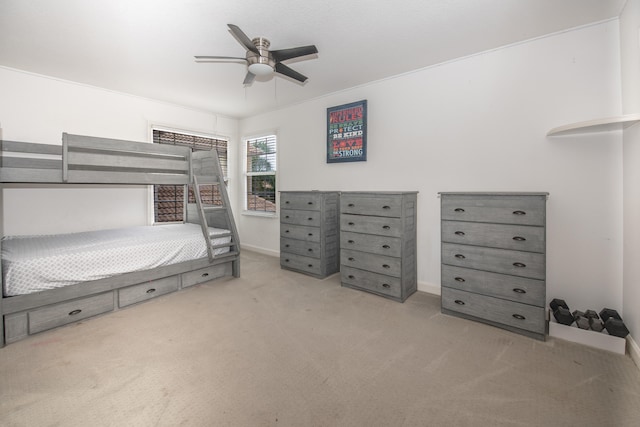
[213, 208]
[220, 236]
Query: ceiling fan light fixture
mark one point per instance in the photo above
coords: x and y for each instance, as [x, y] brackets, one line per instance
[261, 69]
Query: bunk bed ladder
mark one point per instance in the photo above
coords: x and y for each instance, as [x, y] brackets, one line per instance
[216, 212]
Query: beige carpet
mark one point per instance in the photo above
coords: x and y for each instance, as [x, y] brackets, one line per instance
[276, 348]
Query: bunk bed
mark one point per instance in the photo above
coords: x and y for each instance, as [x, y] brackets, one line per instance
[50, 281]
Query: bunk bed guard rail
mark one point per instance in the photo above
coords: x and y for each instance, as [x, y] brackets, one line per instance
[93, 160]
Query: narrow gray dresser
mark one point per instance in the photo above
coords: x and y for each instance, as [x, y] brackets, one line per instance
[378, 242]
[309, 232]
[494, 259]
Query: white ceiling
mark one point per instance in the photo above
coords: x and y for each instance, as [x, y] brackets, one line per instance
[146, 47]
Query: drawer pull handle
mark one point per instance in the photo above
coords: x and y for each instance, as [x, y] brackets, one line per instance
[458, 210]
[351, 205]
[309, 203]
[459, 233]
[150, 291]
[459, 279]
[386, 285]
[386, 207]
[459, 302]
[74, 312]
[310, 250]
[205, 275]
[519, 291]
[386, 266]
[350, 241]
[351, 258]
[309, 265]
[351, 276]
[310, 219]
[386, 247]
[286, 246]
[286, 231]
[460, 256]
[351, 223]
[519, 265]
[518, 316]
[519, 213]
[519, 239]
[386, 227]
[286, 260]
[310, 234]
[286, 203]
[286, 216]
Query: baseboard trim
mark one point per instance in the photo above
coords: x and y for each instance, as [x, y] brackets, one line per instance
[260, 250]
[429, 288]
[634, 350]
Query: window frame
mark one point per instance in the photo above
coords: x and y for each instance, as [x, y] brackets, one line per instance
[246, 174]
[185, 193]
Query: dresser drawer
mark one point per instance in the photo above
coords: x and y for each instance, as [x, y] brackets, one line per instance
[389, 266]
[522, 210]
[519, 289]
[387, 206]
[371, 225]
[516, 263]
[300, 217]
[307, 201]
[299, 262]
[514, 314]
[145, 291]
[378, 283]
[381, 245]
[69, 312]
[300, 247]
[300, 232]
[518, 237]
[202, 275]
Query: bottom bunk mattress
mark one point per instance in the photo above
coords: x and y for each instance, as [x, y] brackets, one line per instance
[36, 263]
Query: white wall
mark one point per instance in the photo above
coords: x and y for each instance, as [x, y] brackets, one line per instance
[479, 124]
[39, 109]
[630, 60]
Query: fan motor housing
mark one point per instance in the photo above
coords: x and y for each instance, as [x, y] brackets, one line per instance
[264, 57]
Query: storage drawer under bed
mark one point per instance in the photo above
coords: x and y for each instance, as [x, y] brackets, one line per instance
[146, 291]
[205, 274]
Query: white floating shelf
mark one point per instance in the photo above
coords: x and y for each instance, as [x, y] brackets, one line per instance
[597, 125]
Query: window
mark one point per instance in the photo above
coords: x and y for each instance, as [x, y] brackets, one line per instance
[168, 200]
[261, 174]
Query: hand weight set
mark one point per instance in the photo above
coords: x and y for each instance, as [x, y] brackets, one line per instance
[608, 319]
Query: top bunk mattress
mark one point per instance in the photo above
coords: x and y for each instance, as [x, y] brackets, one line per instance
[36, 263]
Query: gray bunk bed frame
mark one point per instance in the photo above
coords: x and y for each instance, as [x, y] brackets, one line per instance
[92, 160]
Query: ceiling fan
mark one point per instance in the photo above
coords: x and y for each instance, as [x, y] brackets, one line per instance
[260, 60]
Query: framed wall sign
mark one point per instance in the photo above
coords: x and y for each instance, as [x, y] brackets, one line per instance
[347, 133]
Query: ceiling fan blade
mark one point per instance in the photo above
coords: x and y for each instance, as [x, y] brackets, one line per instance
[286, 71]
[248, 79]
[242, 38]
[294, 52]
[219, 59]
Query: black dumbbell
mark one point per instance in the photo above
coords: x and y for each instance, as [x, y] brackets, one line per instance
[606, 313]
[613, 323]
[616, 327]
[561, 311]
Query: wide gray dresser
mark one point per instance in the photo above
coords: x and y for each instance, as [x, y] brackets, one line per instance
[494, 259]
[309, 232]
[378, 242]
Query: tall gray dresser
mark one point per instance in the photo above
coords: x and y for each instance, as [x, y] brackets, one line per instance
[309, 232]
[494, 259]
[378, 242]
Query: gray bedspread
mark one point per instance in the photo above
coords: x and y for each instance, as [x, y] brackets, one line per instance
[35, 263]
